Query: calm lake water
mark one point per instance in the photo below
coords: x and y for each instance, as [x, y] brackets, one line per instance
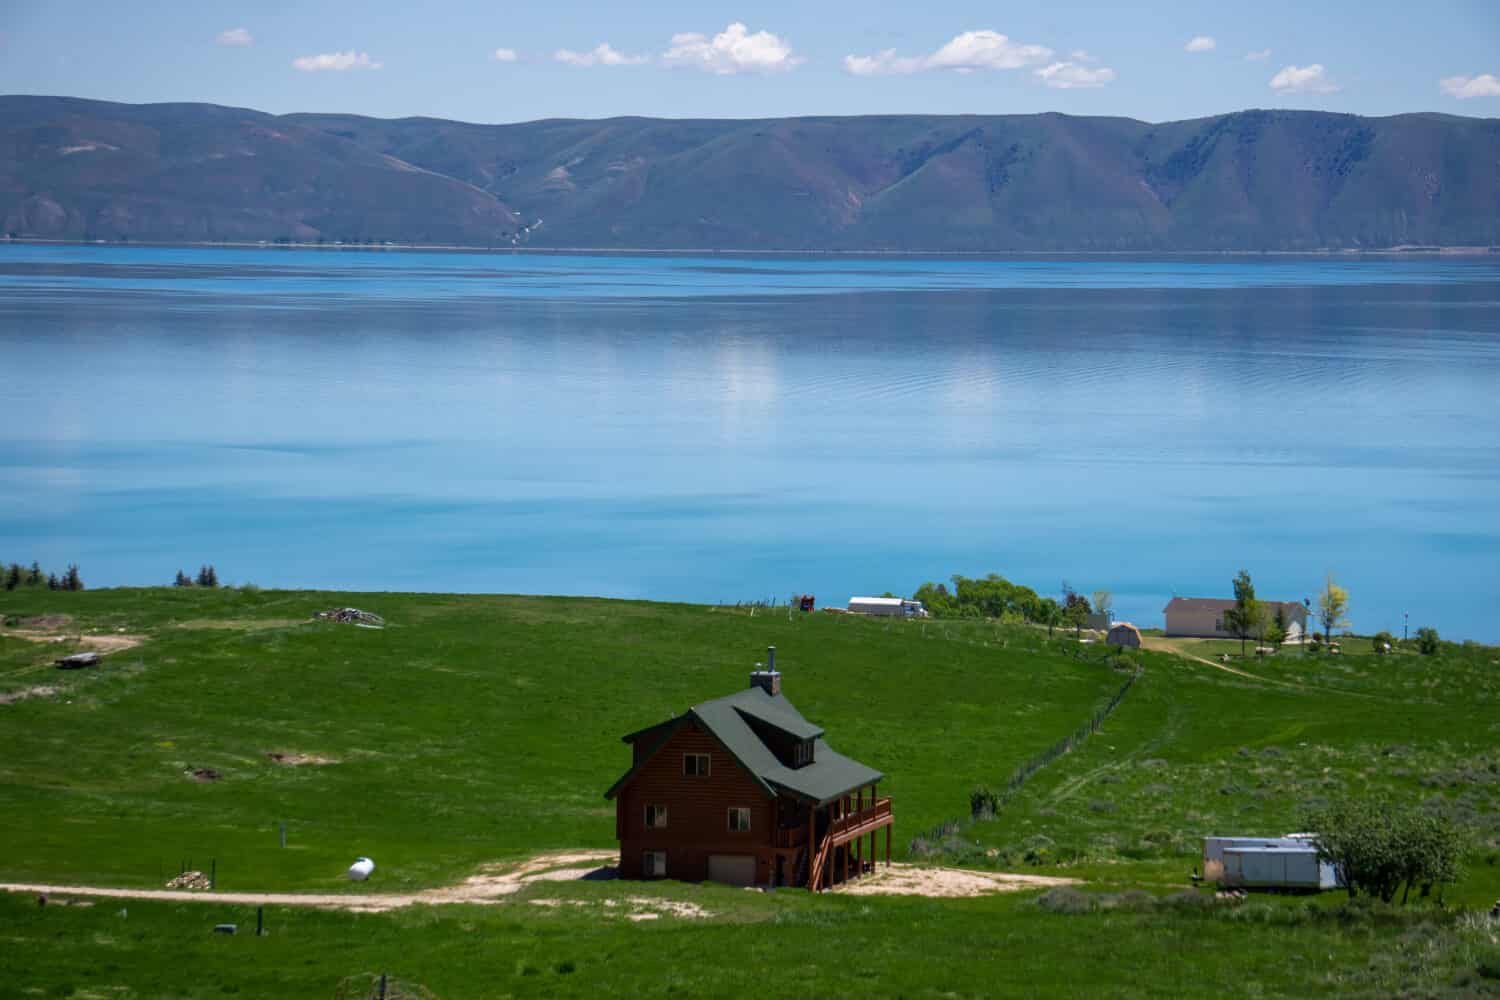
[734, 428]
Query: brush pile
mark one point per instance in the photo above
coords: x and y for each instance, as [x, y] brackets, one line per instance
[190, 880]
[351, 616]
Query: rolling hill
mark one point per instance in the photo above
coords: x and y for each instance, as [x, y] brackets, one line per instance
[1252, 180]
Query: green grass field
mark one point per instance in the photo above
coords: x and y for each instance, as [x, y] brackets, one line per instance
[476, 729]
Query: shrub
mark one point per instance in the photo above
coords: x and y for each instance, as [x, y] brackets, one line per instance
[1066, 899]
[1427, 641]
[1383, 642]
[1381, 848]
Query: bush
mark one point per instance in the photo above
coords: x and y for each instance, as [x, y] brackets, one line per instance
[1066, 899]
[1427, 641]
[1383, 642]
[1380, 848]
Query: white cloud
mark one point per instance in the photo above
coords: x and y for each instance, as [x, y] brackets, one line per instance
[987, 50]
[235, 38]
[1081, 55]
[1201, 43]
[504, 55]
[1071, 75]
[1303, 80]
[603, 54]
[733, 50]
[966, 52]
[884, 63]
[1258, 55]
[1465, 87]
[335, 61]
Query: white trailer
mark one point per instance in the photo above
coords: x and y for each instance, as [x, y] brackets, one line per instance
[886, 607]
[1289, 862]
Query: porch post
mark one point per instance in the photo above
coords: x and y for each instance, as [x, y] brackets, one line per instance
[812, 844]
[887, 846]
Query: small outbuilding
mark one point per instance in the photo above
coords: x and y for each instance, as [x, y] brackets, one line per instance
[1125, 635]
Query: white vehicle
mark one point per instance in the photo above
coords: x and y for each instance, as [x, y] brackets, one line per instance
[888, 607]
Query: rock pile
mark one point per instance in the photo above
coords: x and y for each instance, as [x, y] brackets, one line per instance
[190, 880]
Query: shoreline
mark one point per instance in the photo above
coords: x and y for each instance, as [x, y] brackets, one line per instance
[1396, 251]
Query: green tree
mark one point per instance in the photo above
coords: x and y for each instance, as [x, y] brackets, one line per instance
[1427, 641]
[1275, 632]
[1248, 615]
[13, 576]
[1104, 603]
[1378, 847]
[1382, 642]
[53, 583]
[208, 577]
[1076, 614]
[1333, 605]
[1049, 613]
[71, 580]
[183, 580]
[34, 576]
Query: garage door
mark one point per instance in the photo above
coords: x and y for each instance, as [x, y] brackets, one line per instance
[731, 869]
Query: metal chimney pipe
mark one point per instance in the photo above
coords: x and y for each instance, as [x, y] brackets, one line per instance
[770, 657]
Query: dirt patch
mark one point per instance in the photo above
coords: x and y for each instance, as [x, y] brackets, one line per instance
[47, 621]
[105, 644]
[241, 624]
[203, 774]
[491, 886]
[299, 759]
[916, 880]
[40, 691]
[639, 907]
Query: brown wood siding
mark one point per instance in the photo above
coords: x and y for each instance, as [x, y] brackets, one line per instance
[697, 810]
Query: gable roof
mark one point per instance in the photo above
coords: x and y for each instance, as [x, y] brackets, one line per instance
[1219, 604]
[829, 776]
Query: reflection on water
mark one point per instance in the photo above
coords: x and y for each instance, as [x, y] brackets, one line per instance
[730, 428]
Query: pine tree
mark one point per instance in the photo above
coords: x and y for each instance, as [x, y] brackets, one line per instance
[183, 580]
[34, 577]
[13, 577]
[208, 577]
[71, 579]
[53, 583]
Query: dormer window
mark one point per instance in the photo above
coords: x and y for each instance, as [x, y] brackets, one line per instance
[802, 753]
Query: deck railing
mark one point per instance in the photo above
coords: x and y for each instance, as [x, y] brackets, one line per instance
[861, 821]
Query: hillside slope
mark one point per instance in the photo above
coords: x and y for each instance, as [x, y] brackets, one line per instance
[1253, 180]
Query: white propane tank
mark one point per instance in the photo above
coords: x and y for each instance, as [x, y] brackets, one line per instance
[361, 869]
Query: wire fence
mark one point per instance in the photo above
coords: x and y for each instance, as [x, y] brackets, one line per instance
[986, 802]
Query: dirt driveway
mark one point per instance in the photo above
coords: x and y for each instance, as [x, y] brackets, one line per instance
[495, 883]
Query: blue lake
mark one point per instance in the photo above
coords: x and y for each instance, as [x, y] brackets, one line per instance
[717, 428]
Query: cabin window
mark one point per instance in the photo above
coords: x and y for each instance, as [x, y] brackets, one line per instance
[739, 819]
[695, 765]
[802, 753]
[656, 817]
[654, 864]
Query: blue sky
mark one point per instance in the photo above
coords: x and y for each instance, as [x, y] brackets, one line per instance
[499, 62]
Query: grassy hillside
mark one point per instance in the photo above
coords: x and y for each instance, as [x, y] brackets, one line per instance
[481, 728]
[470, 729]
[1253, 180]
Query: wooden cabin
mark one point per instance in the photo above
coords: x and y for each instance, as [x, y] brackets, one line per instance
[744, 790]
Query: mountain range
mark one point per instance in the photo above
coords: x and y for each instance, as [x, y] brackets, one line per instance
[1252, 180]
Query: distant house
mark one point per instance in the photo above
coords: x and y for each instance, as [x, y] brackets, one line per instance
[1125, 635]
[894, 607]
[744, 790]
[1203, 617]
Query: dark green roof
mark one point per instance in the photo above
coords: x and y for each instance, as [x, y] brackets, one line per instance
[828, 777]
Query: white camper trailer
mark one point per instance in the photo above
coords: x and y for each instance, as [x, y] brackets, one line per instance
[886, 607]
